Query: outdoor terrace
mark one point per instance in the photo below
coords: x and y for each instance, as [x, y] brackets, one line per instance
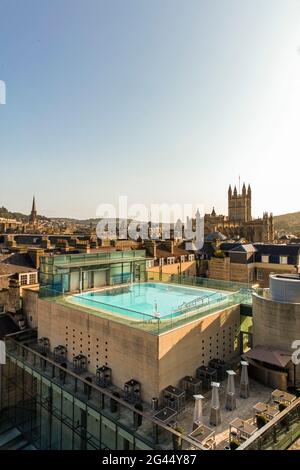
[158, 427]
[108, 402]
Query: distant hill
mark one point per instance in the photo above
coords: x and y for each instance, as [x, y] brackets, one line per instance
[17, 215]
[10, 215]
[288, 222]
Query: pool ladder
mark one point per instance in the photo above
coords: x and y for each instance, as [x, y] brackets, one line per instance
[196, 302]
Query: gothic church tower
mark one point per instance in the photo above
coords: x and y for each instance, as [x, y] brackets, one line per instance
[239, 205]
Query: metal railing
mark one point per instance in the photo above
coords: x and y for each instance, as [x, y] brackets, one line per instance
[136, 319]
[98, 398]
[199, 301]
[279, 433]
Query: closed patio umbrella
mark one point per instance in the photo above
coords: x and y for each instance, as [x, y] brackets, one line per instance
[198, 410]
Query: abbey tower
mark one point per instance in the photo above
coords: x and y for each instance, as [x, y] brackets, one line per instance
[239, 205]
[239, 222]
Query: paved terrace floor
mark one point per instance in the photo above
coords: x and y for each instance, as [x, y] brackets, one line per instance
[244, 410]
[295, 446]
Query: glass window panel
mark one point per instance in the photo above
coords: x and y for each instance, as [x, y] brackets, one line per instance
[66, 437]
[125, 440]
[67, 408]
[56, 400]
[45, 391]
[36, 384]
[80, 424]
[108, 434]
[140, 445]
[45, 429]
[93, 428]
[55, 433]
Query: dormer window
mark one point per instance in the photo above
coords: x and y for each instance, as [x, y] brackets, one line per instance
[283, 260]
[265, 258]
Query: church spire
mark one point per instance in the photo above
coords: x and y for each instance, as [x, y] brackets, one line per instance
[33, 205]
[244, 190]
[33, 214]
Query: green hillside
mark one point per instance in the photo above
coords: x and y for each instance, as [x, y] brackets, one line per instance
[288, 222]
[16, 215]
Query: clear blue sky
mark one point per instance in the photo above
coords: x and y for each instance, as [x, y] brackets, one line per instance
[160, 100]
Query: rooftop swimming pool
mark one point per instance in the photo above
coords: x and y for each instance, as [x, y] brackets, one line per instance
[149, 300]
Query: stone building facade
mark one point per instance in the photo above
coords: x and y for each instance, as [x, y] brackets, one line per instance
[239, 222]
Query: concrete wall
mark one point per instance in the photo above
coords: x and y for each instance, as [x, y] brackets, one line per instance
[155, 361]
[184, 349]
[131, 353]
[10, 299]
[30, 309]
[276, 324]
[4, 282]
[270, 378]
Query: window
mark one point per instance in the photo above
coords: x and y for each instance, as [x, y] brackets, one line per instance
[265, 258]
[32, 278]
[283, 260]
[2, 310]
[23, 279]
[260, 275]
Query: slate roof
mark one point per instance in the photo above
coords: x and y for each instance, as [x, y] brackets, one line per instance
[247, 248]
[227, 246]
[280, 249]
[210, 237]
[275, 251]
[16, 263]
[292, 251]
[208, 249]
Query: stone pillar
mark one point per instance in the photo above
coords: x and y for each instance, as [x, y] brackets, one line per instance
[230, 395]
[197, 411]
[215, 412]
[244, 386]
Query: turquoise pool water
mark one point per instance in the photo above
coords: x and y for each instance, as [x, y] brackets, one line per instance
[149, 299]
